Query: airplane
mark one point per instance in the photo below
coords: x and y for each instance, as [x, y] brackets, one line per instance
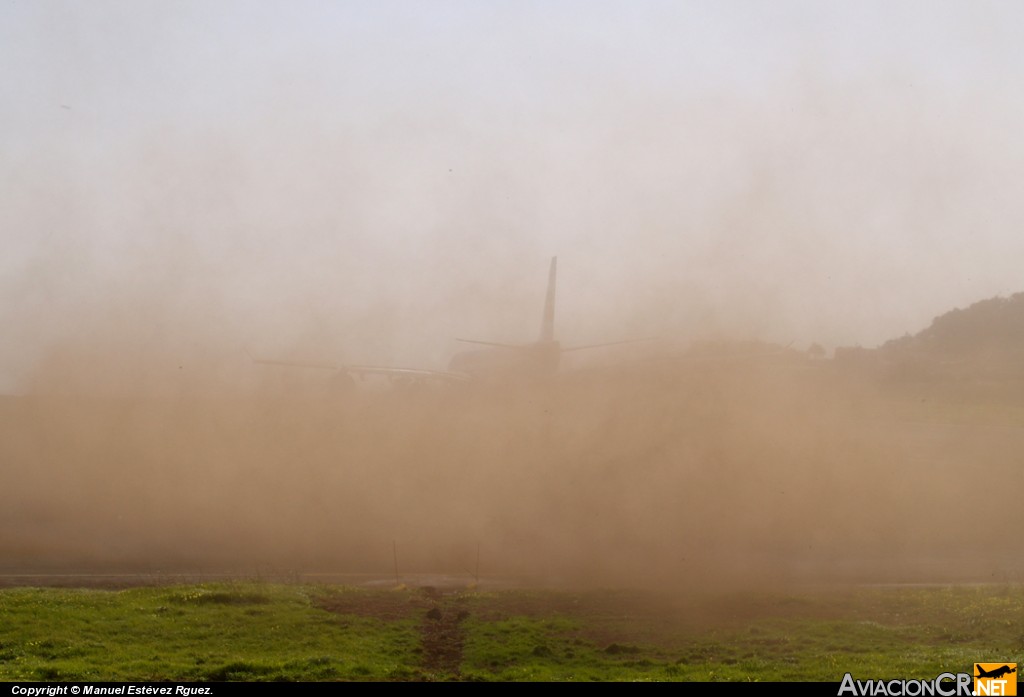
[498, 362]
[995, 673]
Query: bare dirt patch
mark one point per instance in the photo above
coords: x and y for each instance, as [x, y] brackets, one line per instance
[440, 617]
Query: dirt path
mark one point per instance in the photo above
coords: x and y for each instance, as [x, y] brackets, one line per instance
[442, 634]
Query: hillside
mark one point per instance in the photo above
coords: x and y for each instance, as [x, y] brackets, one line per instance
[989, 328]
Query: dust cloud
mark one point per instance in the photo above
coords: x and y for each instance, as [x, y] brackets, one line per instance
[189, 188]
[662, 467]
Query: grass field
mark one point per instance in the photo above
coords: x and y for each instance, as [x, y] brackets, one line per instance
[261, 631]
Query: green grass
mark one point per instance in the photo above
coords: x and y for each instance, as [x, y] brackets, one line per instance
[243, 632]
[871, 633]
[257, 632]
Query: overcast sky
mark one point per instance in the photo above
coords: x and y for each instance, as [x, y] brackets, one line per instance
[369, 180]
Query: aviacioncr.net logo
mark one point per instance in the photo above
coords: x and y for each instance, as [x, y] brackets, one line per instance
[995, 679]
[945, 685]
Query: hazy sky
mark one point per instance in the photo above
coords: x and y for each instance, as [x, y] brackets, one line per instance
[372, 179]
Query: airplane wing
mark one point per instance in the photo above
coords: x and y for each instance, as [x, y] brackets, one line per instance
[609, 343]
[414, 373]
[494, 343]
[294, 364]
[364, 370]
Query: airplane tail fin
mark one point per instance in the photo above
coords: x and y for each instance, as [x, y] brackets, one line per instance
[547, 327]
